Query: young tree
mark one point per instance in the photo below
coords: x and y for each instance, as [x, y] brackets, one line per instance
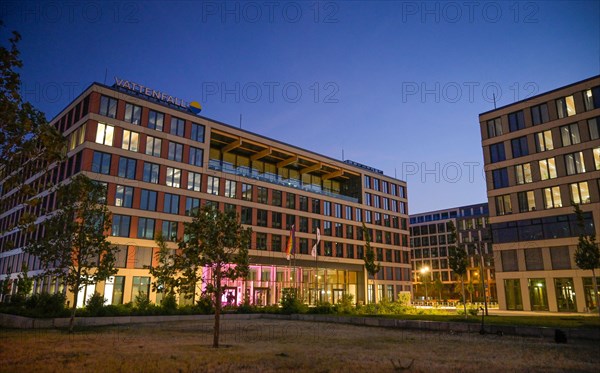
[370, 266]
[28, 144]
[458, 261]
[438, 286]
[166, 271]
[74, 246]
[587, 254]
[221, 244]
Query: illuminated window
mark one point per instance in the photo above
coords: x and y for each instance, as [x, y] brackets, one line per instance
[130, 140]
[523, 173]
[547, 168]
[552, 197]
[503, 205]
[526, 201]
[104, 134]
[597, 158]
[543, 141]
[591, 98]
[580, 193]
[565, 107]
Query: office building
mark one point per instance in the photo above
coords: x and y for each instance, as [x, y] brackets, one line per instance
[542, 156]
[430, 239]
[160, 162]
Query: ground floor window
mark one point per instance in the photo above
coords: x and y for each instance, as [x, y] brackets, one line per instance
[390, 292]
[512, 290]
[538, 294]
[371, 293]
[118, 289]
[141, 286]
[380, 294]
[565, 294]
[588, 291]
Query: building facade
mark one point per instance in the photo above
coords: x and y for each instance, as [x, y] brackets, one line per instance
[161, 162]
[542, 156]
[430, 239]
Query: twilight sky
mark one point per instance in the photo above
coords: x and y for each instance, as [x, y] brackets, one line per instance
[394, 85]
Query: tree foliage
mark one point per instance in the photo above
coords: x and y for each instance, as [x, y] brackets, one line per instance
[587, 254]
[165, 272]
[371, 267]
[458, 260]
[28, 144]
[74, 246]
[217, 244]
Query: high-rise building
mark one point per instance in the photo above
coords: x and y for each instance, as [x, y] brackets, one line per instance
[542, 156]
[430, 239]
[160, 162]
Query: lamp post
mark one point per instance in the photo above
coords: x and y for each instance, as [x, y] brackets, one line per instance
[424, 270]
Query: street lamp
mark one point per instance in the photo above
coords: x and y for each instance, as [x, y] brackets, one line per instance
[424, 270]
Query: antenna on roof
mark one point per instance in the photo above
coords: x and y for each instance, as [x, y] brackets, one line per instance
[342, 154]
[105, 74]
[494, 96]
[395, 176]
[240, 121]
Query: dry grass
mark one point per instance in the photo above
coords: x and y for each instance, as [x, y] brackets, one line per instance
[280, 346]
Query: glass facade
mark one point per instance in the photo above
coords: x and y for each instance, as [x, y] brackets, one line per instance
[512, 289]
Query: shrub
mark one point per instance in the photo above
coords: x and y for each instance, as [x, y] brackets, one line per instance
[290, 302]
[95, 304]
[324, 308]
[346, 305]
[46, 305]
[205, 305]
[142, 302]
[169, 303]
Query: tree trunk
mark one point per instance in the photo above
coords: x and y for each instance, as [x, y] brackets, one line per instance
[217, 326]
[72, 320]
[462, 284]
[596, 291]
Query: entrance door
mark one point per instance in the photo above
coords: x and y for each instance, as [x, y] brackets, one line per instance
[261, 296]
[337, 295]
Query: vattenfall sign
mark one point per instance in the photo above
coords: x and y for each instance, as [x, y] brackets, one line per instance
[193, 106]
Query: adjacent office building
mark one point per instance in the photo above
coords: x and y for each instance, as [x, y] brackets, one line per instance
[161, 162]
[430, 239]
[542, 155]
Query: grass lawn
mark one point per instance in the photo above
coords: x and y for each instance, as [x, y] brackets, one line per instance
[279, 346]
[588, 322]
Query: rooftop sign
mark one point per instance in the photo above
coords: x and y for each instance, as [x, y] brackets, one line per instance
[363, 166]
[140, 89]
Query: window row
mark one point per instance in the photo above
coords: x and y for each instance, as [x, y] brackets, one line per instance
[155, 120]
[384, 186]
[565, 107]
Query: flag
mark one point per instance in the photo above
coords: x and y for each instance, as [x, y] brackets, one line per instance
[314, 248]
[291, 249]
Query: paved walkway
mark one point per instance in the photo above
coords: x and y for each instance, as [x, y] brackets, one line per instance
[498, 312]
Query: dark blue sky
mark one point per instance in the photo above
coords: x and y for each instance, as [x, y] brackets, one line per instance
[396, 85]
